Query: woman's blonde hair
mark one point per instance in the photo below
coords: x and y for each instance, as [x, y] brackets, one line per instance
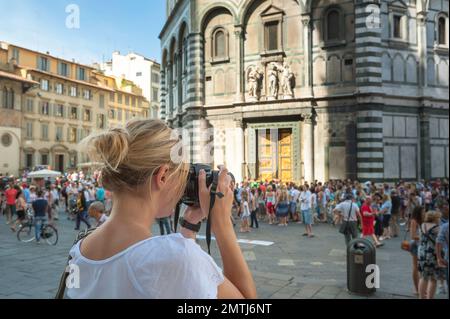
[283, 195]
[244, 196]
[432, 217]
[130, 156]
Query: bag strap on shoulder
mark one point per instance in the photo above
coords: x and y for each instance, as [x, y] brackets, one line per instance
[350, 211]
[62, 282]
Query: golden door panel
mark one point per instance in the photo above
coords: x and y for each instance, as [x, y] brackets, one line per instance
[275, 159]
[265, 164]
[266, 151]
[286, 163]
[285, 150]
[286, 176]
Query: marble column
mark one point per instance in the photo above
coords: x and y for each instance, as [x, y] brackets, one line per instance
[180, 82]
[169, 86]
[369, 146]
[307, 45]
[237, 166]
[422, 48]
[163, 93]
[425, 146]
[368, 47]
[195, 80]
[308, 140]
[239, 56]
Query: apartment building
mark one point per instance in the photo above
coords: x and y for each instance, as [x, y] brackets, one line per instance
[48, 105]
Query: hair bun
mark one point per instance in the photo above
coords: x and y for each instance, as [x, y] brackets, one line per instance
[109, 148]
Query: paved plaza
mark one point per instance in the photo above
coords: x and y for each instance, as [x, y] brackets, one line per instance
[293, 267]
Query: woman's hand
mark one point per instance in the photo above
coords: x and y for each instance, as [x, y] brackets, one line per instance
[221, 212]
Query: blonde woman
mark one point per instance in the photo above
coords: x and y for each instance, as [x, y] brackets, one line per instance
[282, 207]
[428, 266]
[122, 259]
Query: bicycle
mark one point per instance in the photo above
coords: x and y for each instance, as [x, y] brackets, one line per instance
[26, 233]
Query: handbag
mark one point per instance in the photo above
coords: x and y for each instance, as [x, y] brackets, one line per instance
[406, 244]
[346, 224]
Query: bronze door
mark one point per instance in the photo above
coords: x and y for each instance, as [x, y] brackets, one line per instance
[275, 154]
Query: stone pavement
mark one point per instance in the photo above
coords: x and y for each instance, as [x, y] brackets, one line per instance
[293, 267]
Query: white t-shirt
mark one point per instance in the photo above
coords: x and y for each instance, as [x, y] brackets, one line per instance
[295, 194]
[305, 200]
[55, 194]
[164, 267]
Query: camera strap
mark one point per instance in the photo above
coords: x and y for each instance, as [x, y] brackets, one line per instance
[212, 200]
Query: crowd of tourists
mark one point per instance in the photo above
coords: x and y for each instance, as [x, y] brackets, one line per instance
[82, 199]
[369, 210]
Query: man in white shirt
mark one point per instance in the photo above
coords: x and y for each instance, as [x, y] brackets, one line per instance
[87, 196]
[305, 207]
[55, 201]
[350, 216]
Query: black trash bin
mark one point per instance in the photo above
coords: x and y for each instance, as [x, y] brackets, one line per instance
[360, 254]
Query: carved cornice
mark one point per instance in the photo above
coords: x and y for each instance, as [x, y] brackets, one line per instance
[309, 116]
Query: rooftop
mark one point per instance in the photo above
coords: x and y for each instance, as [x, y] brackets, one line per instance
[46, 54]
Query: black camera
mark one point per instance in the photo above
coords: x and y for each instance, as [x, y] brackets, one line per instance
[191, 196]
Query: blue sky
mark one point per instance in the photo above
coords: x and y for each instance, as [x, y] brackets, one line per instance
[105, 26]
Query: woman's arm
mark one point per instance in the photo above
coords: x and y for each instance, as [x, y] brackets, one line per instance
[239, 281]
[413, 230]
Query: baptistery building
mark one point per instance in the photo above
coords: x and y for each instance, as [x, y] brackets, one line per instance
[303, 90]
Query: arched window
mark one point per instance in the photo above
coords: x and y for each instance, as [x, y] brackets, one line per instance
[442, 31]
[333, 25]
[219, 44]
[219, 48]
